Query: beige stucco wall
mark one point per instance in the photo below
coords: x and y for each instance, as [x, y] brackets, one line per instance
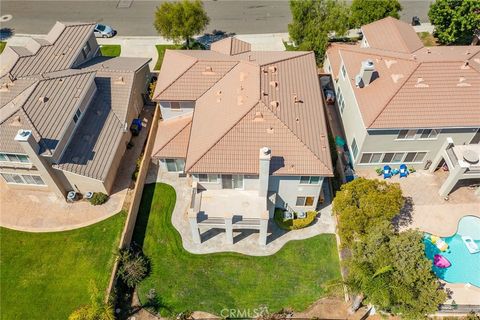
[186, 107]
[93, 52]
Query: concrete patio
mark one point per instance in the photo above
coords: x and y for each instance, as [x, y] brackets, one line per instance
[216, 203]
[244, 241]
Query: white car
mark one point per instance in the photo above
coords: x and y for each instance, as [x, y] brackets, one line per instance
[103, 31]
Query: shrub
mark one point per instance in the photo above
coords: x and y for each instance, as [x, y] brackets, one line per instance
[98, 198]
[133, 267]
[293, 224]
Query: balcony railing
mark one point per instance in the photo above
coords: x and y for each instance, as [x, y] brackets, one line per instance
[20, 165]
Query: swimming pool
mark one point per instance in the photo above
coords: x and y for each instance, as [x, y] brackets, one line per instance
[465, 266]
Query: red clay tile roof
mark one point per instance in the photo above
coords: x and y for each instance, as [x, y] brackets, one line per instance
[433, 87]
[172, 138]
[391, 34]
[268, 99]
[231, 46]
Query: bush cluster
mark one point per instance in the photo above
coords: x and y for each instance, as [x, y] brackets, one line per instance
[99, 198]
[296, 223]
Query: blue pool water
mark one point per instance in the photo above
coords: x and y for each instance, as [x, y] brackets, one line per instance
[465, 266]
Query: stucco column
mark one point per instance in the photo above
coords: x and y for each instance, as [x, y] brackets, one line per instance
[229, 228]
[31, 148]
[441, 153]
[262, 239]
[192, 219]
[264, 171]
[453, 176]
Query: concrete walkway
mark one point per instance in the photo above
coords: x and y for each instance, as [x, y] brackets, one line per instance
[245, 241]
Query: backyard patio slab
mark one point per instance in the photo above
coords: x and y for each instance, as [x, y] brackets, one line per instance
[244, 241]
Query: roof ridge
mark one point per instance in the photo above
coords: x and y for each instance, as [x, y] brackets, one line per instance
[393, 96]
[174, 136]
[303, 54]
[358, 50]
[221, 136]
[181, 74]
[295, 135]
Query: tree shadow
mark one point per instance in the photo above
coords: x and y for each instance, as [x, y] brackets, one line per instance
[404, 218]
[6, 33]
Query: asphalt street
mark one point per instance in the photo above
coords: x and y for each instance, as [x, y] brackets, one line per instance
[135, 17]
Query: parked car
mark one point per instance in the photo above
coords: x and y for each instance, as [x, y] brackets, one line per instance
[103, 31]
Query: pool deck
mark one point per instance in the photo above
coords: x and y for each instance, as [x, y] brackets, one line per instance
[429, 212]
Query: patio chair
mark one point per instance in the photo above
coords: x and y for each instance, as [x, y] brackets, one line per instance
[403, 171]
[387, 172]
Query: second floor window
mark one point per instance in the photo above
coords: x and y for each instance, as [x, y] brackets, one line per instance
[10, 157]
[175, 105]
[86, 50]
[77, 115]
[344, 72]
[427, 133]
[354, 148]
[309, 180]
[406, 134]
[413, 134]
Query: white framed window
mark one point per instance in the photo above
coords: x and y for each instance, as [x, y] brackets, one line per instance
[414, 157]
[13, 178]
[340, 100]
[305, 201]
[344, 72]
[86, 49]
[175, 105]
[212, 178]
[430, 134]
[77, 115]
[11, 157]
[309, 180]
[354, 148]
[406, 135]
[175, 165]
[370, 157]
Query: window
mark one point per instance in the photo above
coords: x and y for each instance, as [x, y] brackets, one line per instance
[371, 157]
[77, 115]
[427, 133]
[174, 165]
[309, 180]
[175, 105]
[208, 177]
[354, 148]
[340, 100]
[344, 72]
[305, 201]
[22, 179]
[9, 157]
[415, 157]
[387, 157]
[397, 157]
[406, 135]
[86, 50]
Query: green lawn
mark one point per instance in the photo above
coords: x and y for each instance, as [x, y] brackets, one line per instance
[110, 50]
[298, 275]
[48, 275]
[161, 52]
[2, 46]
[428, 39]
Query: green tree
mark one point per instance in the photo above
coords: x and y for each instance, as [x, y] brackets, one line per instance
[366, 11]
[96, 310]
[313, 22]
[181, 20]
[362, 204]
[391, 270]
[455, 20]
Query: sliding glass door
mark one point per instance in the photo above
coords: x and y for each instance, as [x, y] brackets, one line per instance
[232, 181]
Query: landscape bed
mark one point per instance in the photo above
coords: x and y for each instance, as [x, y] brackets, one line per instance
[51, 274]
[295, 277]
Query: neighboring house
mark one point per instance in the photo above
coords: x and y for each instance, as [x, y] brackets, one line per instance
[65, 111]
[244, 124]
[399, 101]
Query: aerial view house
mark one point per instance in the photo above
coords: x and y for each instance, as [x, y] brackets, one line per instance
[65, 111]
[247, 126]
[400, 102]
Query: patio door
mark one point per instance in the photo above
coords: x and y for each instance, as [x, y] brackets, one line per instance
[232, 181]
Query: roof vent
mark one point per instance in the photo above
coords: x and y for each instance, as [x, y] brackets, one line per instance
[465, 65]
[43, 99]
[264, 93]
[258, 117]
[270, 130]
[17, 121]
[272, 69]
[462, 83]
[5, 87]
[119, 80]
[274, 84]
[274, 104]
[421, 83]
[428, 50]
[396, 77]
[208, 71]
[240, 100]
[296, 99]
[297, 119]
[264, 70]
[219, 93]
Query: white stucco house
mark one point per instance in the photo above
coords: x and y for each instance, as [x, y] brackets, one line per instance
[249, 129]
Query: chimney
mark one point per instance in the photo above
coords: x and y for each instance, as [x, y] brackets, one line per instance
[264, 171]
[31, 148]
[366, 73]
